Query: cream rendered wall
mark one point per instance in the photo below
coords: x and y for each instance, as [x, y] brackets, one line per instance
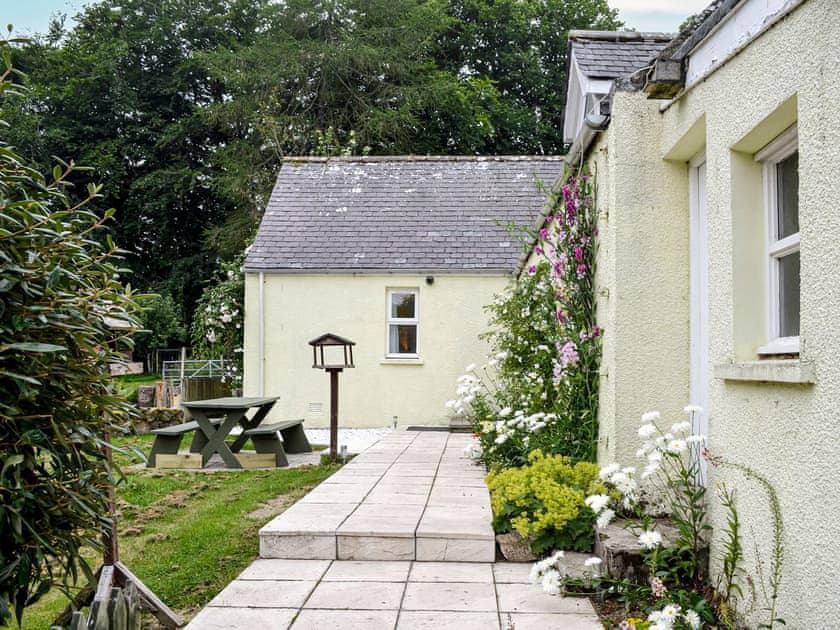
[642, 276]
[787, 432]
[299, 308]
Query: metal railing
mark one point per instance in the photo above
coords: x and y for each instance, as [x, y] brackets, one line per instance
[177, 371]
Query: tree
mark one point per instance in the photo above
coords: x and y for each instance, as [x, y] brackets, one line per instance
[362, 71]
[59, 296]
[519, 46]
[123, 92]
[163, 327]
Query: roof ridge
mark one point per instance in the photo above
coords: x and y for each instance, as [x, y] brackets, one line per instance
[621, 36]
[424, 158]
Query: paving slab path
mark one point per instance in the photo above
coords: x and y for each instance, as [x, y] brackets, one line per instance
[400, 538]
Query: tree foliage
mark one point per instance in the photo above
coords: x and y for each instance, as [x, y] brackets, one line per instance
[62, 313]
[519, 46]
[187, 107]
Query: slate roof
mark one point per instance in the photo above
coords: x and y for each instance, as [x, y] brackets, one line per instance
[610, 55]
[404, 214]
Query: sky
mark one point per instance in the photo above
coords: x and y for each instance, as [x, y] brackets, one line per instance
[32, 16]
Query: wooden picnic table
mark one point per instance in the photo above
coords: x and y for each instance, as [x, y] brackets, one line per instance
[213, 420]
[210, 436]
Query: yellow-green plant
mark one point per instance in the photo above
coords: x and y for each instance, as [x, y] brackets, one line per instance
[544, 502]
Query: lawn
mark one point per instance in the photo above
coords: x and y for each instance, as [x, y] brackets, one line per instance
[188, 534]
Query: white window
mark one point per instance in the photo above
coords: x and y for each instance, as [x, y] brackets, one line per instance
[403, 323]
[780, 159]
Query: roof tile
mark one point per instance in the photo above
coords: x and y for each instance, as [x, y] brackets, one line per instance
[400, 214]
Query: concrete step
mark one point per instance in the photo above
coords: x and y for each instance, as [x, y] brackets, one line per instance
[411, 496]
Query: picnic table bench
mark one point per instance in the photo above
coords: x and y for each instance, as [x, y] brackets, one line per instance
[168, 439]
[266, 440]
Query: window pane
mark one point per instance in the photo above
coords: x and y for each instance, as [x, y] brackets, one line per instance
[787, 187]
[402, 305]
[402, 339]
[789, 295]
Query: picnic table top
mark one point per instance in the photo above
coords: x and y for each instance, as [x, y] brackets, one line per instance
[229, 402]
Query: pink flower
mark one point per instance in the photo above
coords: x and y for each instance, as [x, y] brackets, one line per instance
[544, 234]
[538, 250]
[581, 271]
[532, 269]
[549, 218]
[578, 253]
[569, 354]
[658, 587]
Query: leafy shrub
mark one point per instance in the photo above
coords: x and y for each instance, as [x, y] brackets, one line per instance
[544, 501]
[59, 300]
[546, 345]
[216, 329]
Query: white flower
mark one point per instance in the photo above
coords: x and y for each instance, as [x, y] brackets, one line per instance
[501, 438]
[536, 573]
[671, 612]
[551, 582]
[605, 518]
[650, 539]
[470, 367]
[693, 619]
[211, 336]
[597, 502]
[450, 404]
[556, 557]
[677, 446]
[592, 562]
[647, 430]
[693, 409]
[650, 416]
[606, 471]
[681, 427]
[505, 412]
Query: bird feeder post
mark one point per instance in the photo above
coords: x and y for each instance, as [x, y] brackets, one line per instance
[332, 354]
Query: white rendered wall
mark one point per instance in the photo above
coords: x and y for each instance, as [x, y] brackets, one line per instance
[787, 432]
[298, 308]
[642, 276]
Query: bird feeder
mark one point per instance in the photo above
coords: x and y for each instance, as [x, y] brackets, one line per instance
[332, 354]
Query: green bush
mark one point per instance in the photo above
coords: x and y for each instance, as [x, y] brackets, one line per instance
[544, 501]
[59, 299]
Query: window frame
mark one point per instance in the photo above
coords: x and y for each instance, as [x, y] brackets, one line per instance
[406, 321]
[777, 151]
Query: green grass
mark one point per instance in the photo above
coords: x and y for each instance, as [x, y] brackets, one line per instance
[127, 385]
[188, 534]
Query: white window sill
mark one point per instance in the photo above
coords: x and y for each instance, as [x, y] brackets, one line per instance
[770, 371]
[401, 361]
[782, 345]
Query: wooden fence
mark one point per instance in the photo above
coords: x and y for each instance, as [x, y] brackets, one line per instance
[113, 608]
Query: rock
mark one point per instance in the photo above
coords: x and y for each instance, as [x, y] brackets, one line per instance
[515, 548]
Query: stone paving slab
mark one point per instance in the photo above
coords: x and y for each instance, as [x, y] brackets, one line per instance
[409, 485]
[372, 595]
[409, 522]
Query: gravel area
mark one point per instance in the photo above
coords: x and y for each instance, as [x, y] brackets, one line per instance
[356, 440]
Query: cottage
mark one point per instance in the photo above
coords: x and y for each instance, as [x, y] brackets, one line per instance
[400, 255]
[718, 177]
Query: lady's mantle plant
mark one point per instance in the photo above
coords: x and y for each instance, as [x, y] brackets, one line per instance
[59, 296]
[544, 502]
